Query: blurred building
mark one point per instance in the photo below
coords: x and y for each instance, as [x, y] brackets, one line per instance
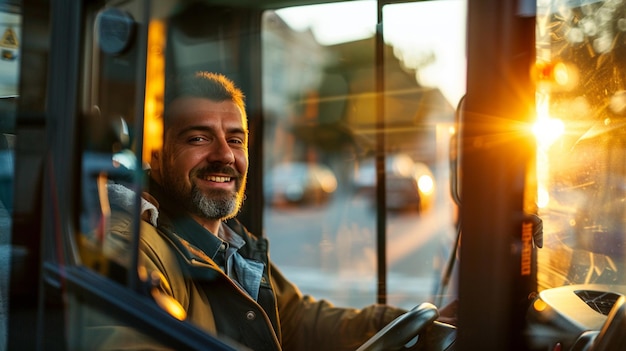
[320, 102]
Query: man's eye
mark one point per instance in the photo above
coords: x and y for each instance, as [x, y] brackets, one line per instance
[235, 141]
[197, 139]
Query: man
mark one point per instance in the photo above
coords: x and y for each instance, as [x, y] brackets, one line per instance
[219, 272]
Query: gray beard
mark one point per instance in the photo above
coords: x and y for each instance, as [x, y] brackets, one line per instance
[219, 206]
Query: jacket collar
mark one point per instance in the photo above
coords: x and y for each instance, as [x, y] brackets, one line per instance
[175, 219]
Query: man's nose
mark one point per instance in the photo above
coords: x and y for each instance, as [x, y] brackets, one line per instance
[221, 152]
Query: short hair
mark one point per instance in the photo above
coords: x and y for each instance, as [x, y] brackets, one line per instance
[213, 86]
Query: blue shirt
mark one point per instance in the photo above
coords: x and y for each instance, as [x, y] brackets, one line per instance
[244, 272]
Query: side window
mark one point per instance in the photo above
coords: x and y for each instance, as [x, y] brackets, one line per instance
[109, 160]
[326, 124]
[120, 89]
[10, 40]
[102, 313]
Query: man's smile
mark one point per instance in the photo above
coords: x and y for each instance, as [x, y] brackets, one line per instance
[218, 179]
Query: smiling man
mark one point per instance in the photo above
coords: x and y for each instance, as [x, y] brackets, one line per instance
[210, 264]
[204, 160]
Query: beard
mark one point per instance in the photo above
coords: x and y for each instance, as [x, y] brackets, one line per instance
[215, 204]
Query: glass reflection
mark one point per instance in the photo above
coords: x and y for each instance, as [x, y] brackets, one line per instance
[10, 45]
[109, 160]
[580, 99]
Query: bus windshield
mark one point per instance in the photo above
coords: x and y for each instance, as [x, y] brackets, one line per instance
[321, 140]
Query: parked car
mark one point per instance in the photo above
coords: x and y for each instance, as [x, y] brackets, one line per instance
[299, 183]
[409, 184]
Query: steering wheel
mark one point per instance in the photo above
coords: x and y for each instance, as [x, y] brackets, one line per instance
[402, 329]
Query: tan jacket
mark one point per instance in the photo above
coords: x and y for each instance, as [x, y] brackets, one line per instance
[282, 319]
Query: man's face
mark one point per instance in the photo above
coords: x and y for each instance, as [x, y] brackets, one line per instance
[204, 160]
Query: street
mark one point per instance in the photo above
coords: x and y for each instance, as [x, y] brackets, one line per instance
[329, 251]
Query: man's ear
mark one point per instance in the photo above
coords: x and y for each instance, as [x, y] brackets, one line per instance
[155, 154]
[155, 164]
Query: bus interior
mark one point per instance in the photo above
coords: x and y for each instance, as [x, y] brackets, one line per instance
[422, 154]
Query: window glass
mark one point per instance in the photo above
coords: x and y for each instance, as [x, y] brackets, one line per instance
[113, 108]
[419, 246]
[320, 108]
[580, 142]
[122, 40]
[108, 111]
[10, 41]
